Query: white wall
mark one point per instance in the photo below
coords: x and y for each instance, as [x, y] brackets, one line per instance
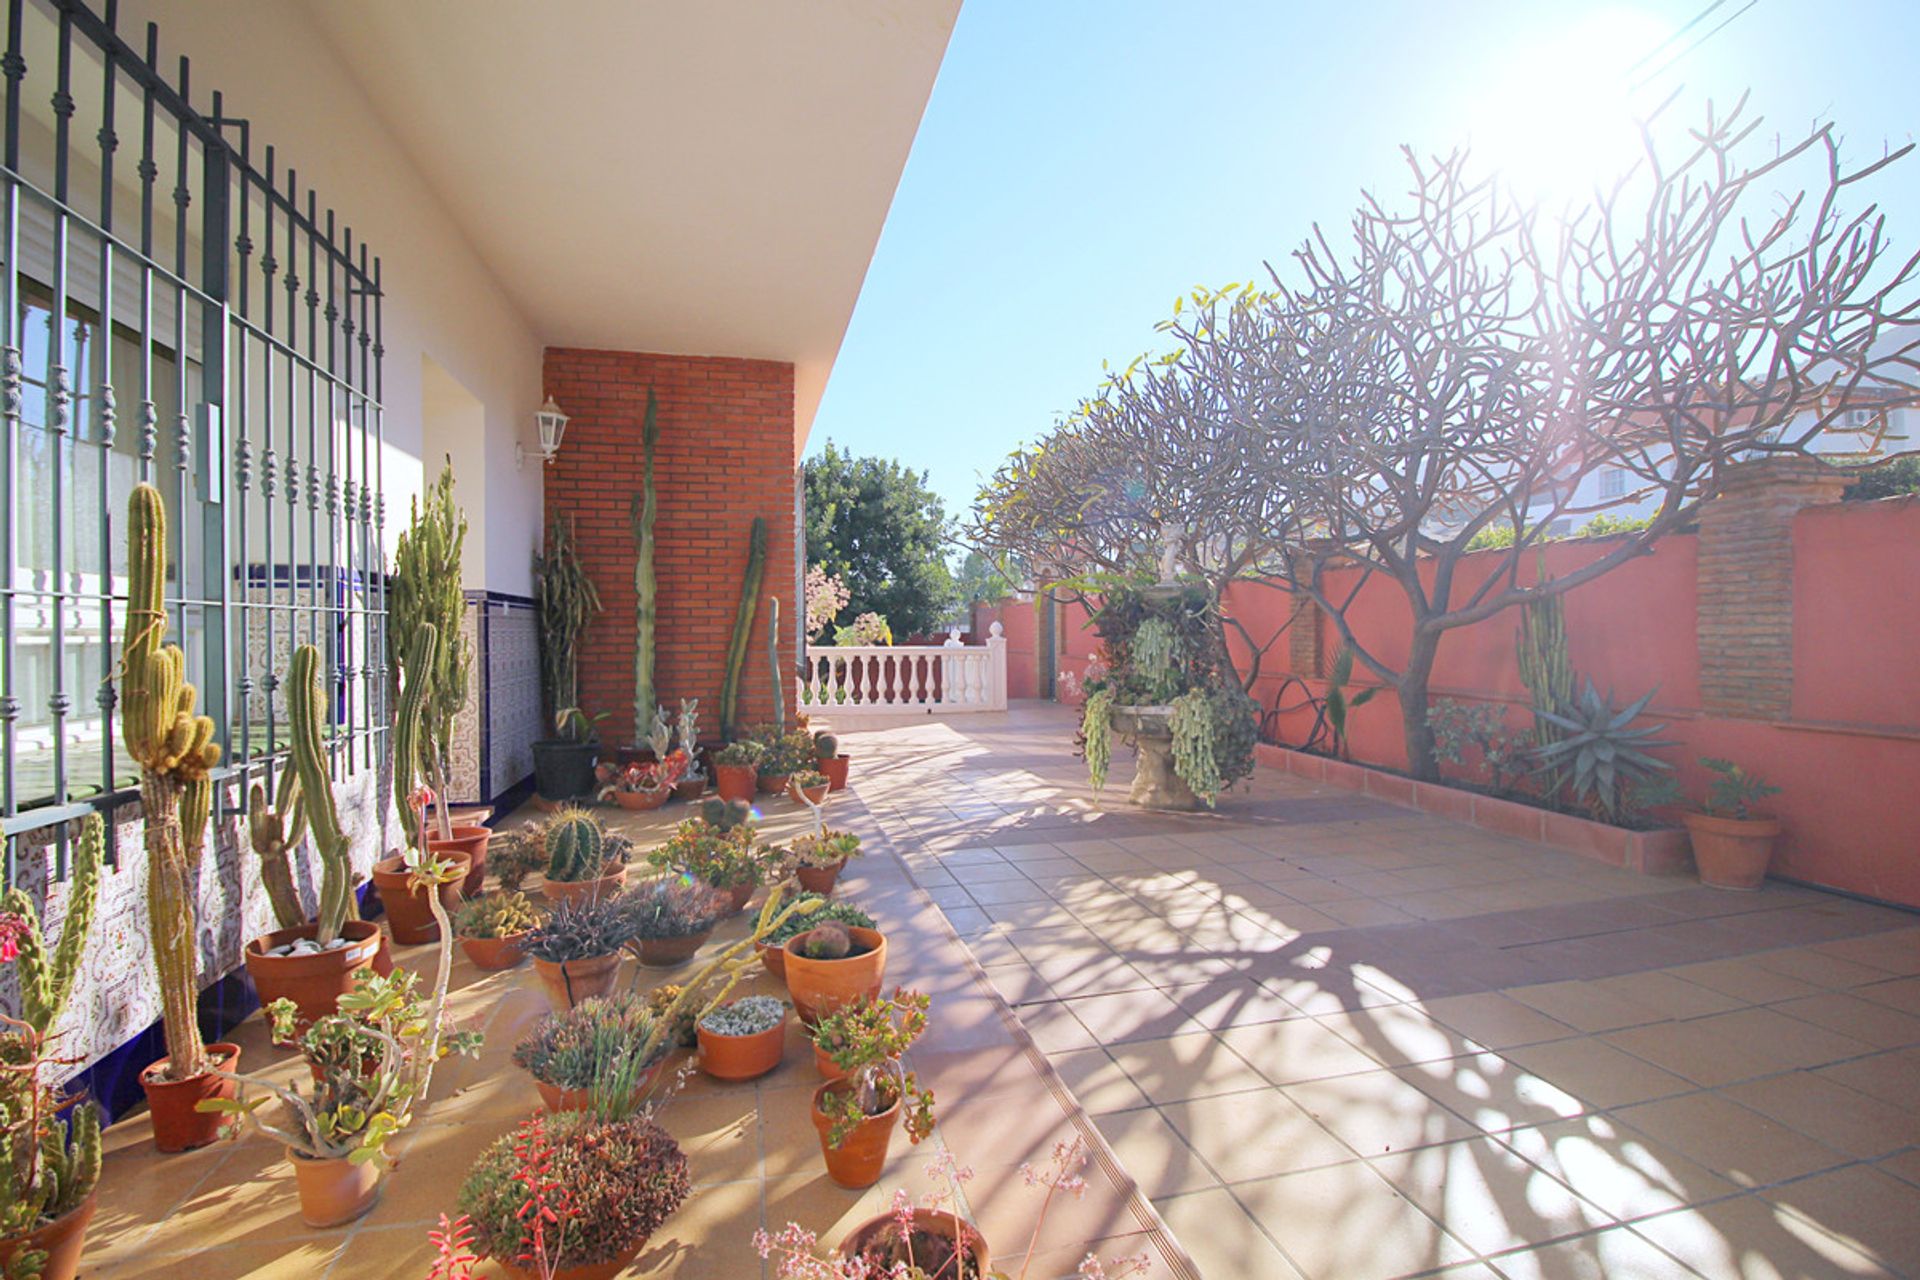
[443, 304]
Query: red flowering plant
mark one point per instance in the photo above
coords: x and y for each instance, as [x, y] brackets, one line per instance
[653, 778]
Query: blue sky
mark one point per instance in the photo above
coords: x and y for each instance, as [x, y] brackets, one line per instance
[1082, 164]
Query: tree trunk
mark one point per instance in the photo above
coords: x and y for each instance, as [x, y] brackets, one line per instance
[1421, 761]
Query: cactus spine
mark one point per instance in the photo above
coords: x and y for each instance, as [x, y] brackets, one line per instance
[307, 722]
[426, 592]
[743, 628]
[407, 746]
[46, 979]
[274, 830]
[773, 664]
[644, 509]
[576, 846]
[174, 748]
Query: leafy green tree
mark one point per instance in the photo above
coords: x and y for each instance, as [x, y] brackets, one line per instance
[980, 579]
[877, 526]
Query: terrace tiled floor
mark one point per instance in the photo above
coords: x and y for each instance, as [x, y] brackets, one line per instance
[1337, 1039]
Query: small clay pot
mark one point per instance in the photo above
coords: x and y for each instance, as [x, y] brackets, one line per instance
[734, 781]
[409, 914]
[772, 784]
[819, 987]
[819, 879]
[61, 1240]
[743, 1057]
[936, 1221]
[670, 953]
[559, 1099]
[178, 1124]
[738, 895]
[814, 795]
[495, 953]
[836, 771]
[611, 880]
[471, 840]
[314, 982]
[593, 1271]
[641, 801]
[690, 788]
[568, 982]
[826, 1066]
[861, 1157]
[333, 1192]
[1731, 853]
[774, 958]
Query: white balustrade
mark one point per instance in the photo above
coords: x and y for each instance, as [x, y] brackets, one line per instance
[850, 682]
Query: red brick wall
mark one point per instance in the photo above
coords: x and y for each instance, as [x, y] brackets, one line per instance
[726, 454]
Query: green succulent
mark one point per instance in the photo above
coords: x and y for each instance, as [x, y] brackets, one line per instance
[1603, 754]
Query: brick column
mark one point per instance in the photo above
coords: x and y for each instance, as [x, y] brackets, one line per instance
[1303, 629]
[1745, 577]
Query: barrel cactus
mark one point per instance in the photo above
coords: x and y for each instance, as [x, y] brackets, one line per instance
[576, 846]
[724, 815]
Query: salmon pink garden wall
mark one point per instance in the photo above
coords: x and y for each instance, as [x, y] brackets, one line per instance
[727, 453]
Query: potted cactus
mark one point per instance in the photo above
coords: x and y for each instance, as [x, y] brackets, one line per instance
[736, 768]
[668, 918]
[828, 760]
[603, 1042]
[493, 930]
[693, 783]
[49, 1166]
[175, 751]
[577, 861]
[772, 947]
[833, 965]
[1732, 838]
[855, 1114]
[576, 949]
[313, 965]
[567, 601]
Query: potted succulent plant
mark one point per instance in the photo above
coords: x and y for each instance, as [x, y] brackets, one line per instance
[668, 918]
[568, 601]
[782, 755]
[640, 787]
[576, 949]
[577, 861]
[600, 1043]
[404, 897]
[717, 849]
[809, 786]
[772, 947]
[493, 930]
[693, 783]
[372, 1064]
[573, 1195]
[855, 1115]
[1732, 839]
[49, 1164]
[736, 767]
[831, 966]
[563, 766]
[820, 857]
[743, 1039]
[828, 759]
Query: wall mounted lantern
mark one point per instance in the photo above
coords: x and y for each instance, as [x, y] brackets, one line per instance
[553, 425]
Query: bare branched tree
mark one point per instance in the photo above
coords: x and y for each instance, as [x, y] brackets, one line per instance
[1466, 362]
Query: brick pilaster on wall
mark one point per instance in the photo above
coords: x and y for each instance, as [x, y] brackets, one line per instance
[1303, 637]
[726, 454]
[1745, 577]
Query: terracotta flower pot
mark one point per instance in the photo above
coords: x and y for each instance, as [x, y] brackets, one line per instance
[774, 958]
[641, 801]
[819, 879]
[472, 841]
[772, 784]
[61, 1240]
[690, 788]
[738, 895]
[938, 1222]
[743, 1057]
[734, 781]
[819, 987]
[557, 1098]
[314, 982]
[836, 771]
[813, 795]
[826, 1066]
[671, 953]
[177, 1124]
[409, 914]
[592, 1271]
[1731, 853]
[334, 1192]
[611, 880]
[861, 1157]
[569, 982]
[495, 953]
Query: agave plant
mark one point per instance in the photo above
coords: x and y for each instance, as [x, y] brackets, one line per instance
[1603, 754]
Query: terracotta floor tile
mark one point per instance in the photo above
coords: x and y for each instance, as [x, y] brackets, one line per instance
[1054, 1028]
[1130, 1015]
[1223, 1238]
[1487, 1196]
[1819, 968]
[1230, 1001]
[1745, 980]
[1193, 1065]
[1744, 1147]
[1895, 993]
[1397, 1035]
[1491, 1092]
[1345, 1222]
[1582, 1006]
[1597, 1073]
[1622, 1172]
[1153, 1152]
[1692, 1050]
[1748, 1236]
[1098, 1082]
[1854, 1122]
[1875, 1213]
[1666, 996]
[1783, 1037]
[1863, 1020]
[1254, 1135]
[1896, 950]
[1496, 1020]
[1886, 1076]
[1296, 1050]
[1376, 1112]
[1905, 1166]
[1615, 1254]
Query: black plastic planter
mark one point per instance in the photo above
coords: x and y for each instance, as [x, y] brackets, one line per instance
[563, 770]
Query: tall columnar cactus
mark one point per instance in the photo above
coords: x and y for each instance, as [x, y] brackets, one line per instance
[408, 748]
[307, 723]
[644, 509]
[773, 664]
[46, 978]
[175, 750]
[46, 1168]
[426, 592]
[568, 601]
[274, 830]
[743, 628]
[576, 846]
[1541, 651]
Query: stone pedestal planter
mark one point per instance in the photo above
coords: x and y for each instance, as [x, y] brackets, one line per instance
[1156, 784]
